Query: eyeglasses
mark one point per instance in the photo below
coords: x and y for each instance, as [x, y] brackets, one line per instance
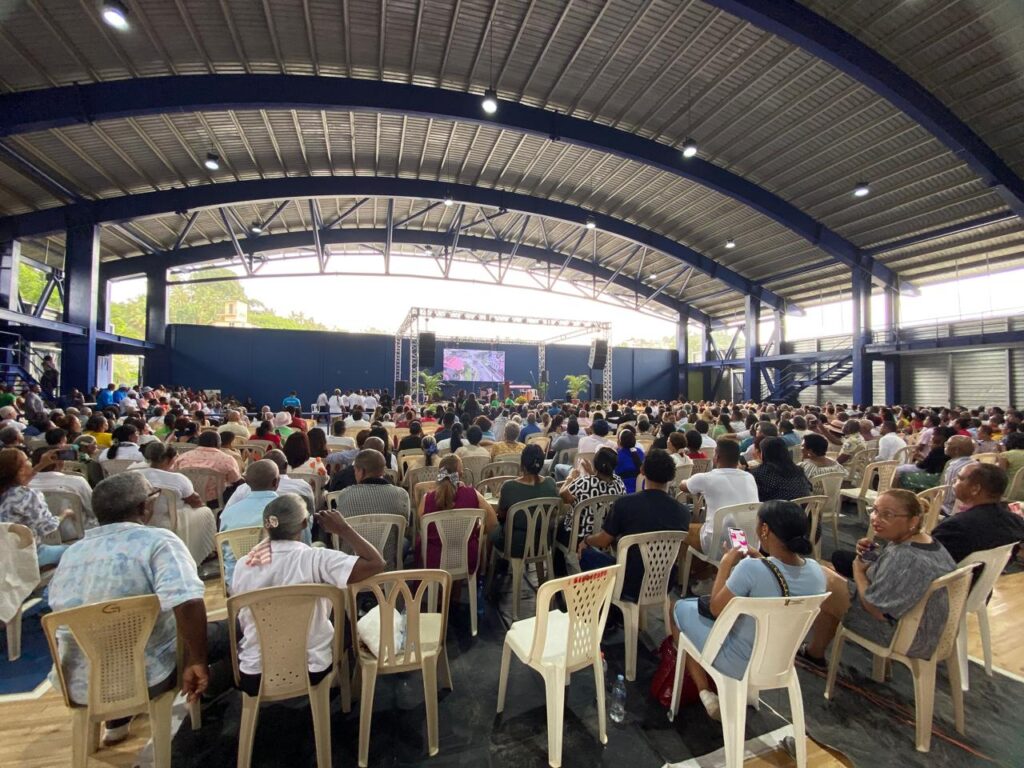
[889, 516]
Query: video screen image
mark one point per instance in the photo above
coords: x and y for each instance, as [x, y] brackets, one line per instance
[473, 365]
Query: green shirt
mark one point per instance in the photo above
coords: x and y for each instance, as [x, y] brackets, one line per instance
[7, 398]
[514, 492]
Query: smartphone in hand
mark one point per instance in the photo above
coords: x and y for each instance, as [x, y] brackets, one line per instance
[737, 538]
[870, 554]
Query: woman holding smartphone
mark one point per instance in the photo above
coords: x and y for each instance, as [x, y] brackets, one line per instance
[890, 574]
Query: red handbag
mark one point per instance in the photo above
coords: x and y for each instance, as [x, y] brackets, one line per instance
[661, 683]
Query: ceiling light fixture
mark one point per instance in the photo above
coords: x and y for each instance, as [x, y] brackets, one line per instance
[449, 201]
[730, 243]
[256, 228]
[862, 189]
[591, 223]
[212, 161]
[689, 148]
[115, 14]
[490, 102]
[654, 275]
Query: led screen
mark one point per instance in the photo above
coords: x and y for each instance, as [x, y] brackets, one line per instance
[473, 365]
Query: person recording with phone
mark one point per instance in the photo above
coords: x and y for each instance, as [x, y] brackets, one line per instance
[890, 572]
[50, 475]
[778, 566]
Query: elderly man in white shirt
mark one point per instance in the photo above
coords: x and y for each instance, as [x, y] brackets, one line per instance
[287, 483]
[233, 424]
[890, 443]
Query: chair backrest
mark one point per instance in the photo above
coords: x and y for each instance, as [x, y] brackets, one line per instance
[420, 475]
[208, 483]
[587, 597]
[393, 592]
[397, 434]
[165, 510]
[992, 562]
[645, 442]
[57, 501]
[829, 486]
[20, 567]
[733, 516]
[407, 459]
[659, 551]
[1015, 490]
[565, 456]
[685, 472]
[931, 499]
[872, 445]
[797, 451]
[857, 463]
[75, 468]
[317, 482]
[957, 584]
[181, 448]
[282, 617]
[883, 470]
[240, 541]
[538, 513]
[392, 475]
[585, 455]
[781, 625]
[252, 451]
[115, 466]
[986, 458]
[596, 508]
[472, 467]
[902, 456]
[419, 490]
[700, 465]
[454, 527]
[499, 469]
[544, 441]
[377, 529]
[112, 636]
[813, 507]
[492, 485]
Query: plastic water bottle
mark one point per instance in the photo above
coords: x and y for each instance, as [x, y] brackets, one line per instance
[617, 710]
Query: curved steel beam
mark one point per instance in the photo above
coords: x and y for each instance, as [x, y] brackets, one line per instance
[802, 27]
[112, 270]
[215, 195]
[27, 111]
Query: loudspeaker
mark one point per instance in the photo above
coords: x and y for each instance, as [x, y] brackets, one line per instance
[401, 388]
[428, 342]
[598, 354]
[598, 390]
[544, 376]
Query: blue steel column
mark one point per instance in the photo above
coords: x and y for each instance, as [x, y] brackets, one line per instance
[81, 303]
[707, 374]
[157, 369]
[683, 348]
[10, 263]
[861, 295]
[751, 370]
[893, 386]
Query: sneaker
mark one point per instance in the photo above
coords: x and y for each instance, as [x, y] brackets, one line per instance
[811, 661]
[710, 702]
[116, 735]
[702, 587]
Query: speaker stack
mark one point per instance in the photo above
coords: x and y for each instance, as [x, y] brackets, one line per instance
[428, 344]
[598, 354]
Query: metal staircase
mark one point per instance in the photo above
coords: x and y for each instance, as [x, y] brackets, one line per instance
[798, 376]
[18, 363]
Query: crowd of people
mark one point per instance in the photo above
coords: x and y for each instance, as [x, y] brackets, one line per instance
[161, 526]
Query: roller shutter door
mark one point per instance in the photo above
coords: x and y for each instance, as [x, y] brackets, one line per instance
[925, 379]
[878, 383]
[980, 378]
[1017, 377]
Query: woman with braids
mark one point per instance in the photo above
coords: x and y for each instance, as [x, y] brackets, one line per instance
[123, 445]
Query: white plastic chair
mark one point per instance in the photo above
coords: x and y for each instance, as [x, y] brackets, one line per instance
[931, 499]
[700, 465]
[240, 541]
[557, 643]
[864, 494]
[856, 465]
[813, 508]
[1015, 490]
[490, 488]
[424, 648]
[597, 507]
[377, 529]
[282, 617]
[734, 516]
[498, 468]
[112, 636]
[830, 486]
[659, 551]
[208, 483]
[781, 625]
[454, 528]
[683, 474]
[73, 527]
[19, 559]
[957, 584]
[472, 467]
[992, 561]
[115, 466]
[536, 546]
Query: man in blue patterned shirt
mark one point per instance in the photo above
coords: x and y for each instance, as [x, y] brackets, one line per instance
[123, 557]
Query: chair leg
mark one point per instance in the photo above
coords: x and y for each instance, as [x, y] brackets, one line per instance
[835, 526]
[471, 586]
[602, 722]
[879, 668]
[446, 670]
[796, 706]
[732, 697]
[490, 571]
[833, 664]
[368, 673]
[631, 620]
[345, 682]
[247, 729]
[924, 701]
[961, 655]
[554, 688]
[81, 737]
[160, 728]
[684, 574]
[506, 656]
[320, 706]
[956, 692]
[517, 587]
[429, 670]
[677, 683]
[14, 636]
[986, 639]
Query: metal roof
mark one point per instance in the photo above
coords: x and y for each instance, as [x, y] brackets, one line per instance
[762, 108]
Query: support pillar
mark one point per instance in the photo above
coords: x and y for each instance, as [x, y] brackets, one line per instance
[10, 265]
[157, 367]
[706, 373]
[683, 348]
[81, 305]
[751, 370]
[893, 385]
[861, 295]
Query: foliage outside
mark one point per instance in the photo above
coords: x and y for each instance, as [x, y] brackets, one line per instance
[576, 384]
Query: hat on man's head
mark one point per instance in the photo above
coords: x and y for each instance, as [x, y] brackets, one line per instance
[282, 419]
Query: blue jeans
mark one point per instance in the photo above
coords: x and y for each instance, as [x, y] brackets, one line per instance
[592, 559]
[50, 554]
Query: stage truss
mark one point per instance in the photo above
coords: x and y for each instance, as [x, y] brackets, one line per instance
[415, 323]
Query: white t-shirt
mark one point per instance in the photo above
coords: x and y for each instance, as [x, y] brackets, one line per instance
[58, 481]
[680, 459]
[292, 562]
[354, 400]
[335, 403]
[593, 443]
[706, 441]
[351, 423]
[888, 445]
[340, 441]
[721, 488]
[369, 403]
[173, 481]
[286, 485]
[124, 451]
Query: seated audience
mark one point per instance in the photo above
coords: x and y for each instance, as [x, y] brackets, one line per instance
[629, 459]
[338, 439]
[125, 557]
[474, 435]
[852, 440]
[778, 476]
[414, 439]
[300, 460]
[233, 424]
[677, 449]
[51, 477]
[1012, 459]
[927, 472]
[587, 481]
[265, 431]
[262, 478]
[890, 443]
[282, 559]
[374, 495]
[815, 462]
[124, 445]
[285, 484]
[209, 456]
[959, 449]
[782, 534]
[984, 520]
[694, 445]
[26, 506]
[96, 427]
[509, 445]
[528, 486]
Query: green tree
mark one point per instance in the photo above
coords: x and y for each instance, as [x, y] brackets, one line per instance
[200, 303]
[576, 384]
[129, 317]
[31, 282]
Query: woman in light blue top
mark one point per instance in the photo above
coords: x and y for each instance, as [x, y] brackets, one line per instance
[782, 529]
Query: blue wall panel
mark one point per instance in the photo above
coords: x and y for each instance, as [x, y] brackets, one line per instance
[267, 364]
